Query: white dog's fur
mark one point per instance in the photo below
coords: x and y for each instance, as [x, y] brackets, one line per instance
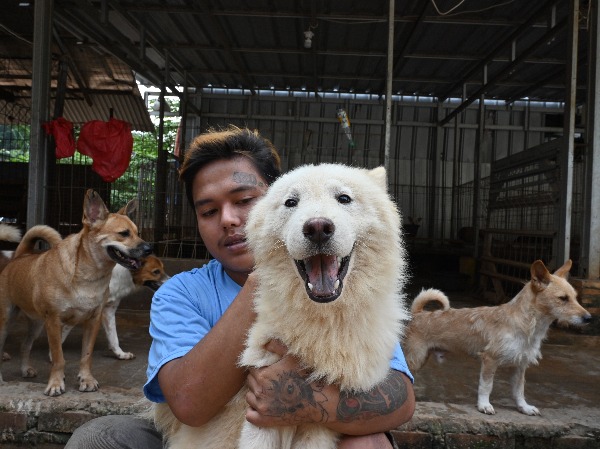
[317, 215]
[509, 334]
[123, 282]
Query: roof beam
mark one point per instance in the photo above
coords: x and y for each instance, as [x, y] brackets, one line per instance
[499, 48]
[433, 19]
[353, 53]
[554, 74]
[505, 71]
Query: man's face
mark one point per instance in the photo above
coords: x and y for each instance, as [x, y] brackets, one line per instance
[224, 191]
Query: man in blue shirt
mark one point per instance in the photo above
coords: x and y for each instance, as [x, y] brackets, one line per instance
[199, 319]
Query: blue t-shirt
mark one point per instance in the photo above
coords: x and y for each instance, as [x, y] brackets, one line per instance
[185, 308]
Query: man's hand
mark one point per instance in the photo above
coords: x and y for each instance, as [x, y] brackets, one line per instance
[279, 395]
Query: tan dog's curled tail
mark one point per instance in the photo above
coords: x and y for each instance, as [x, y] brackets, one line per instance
[427, 296]
[39, 232]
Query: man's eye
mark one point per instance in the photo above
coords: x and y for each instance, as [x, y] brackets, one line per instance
[208, 213]
[291, 202]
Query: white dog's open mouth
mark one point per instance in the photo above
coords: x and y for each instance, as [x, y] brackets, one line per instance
[323, 276]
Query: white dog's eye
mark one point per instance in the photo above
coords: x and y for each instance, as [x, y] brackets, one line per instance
[344, 199]
[291, 202]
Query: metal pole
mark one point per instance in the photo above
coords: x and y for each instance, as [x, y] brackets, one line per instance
[161, 167]
[566, 156]
[590, 243]
[37, 183]
[388, 89]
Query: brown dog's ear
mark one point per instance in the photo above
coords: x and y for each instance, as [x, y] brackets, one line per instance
[130, 209]
[563, 271]
[540, 276]
[94, 209]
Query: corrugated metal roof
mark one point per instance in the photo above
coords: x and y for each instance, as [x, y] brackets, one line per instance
[97, 84]
[442, 48]
[129, 107]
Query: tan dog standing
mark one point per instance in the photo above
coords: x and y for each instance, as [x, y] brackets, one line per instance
[124, 281]
[509, 334]
[67, 285]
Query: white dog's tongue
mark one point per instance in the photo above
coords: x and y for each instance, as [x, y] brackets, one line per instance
[322, 271]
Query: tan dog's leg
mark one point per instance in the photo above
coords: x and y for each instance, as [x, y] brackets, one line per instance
[90, 332]
[66, 330]
[518, 389]
[4, 312]
[56, 383]
[417, 353]
[486, 383]
[33, 332]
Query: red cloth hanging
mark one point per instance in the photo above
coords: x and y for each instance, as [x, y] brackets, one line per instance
[62, 131]
[109, 144]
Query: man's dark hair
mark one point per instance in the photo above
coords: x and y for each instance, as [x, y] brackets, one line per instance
[229, 143]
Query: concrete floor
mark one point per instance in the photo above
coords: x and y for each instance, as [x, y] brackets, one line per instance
[565, 383]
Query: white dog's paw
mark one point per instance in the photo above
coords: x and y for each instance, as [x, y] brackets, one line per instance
[529, 410]
[5, 356]
[486, 408]
[121, 355]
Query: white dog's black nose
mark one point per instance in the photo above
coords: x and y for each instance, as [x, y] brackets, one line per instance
[318, 230]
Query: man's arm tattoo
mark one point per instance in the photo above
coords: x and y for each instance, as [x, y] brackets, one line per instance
[293, 395]
[383, 399]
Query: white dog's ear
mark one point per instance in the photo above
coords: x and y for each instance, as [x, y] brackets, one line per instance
[380, 177]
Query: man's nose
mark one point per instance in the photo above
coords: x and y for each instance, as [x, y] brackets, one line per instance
[230, 216]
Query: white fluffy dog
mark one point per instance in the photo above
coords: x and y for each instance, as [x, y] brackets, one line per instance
[330, 262]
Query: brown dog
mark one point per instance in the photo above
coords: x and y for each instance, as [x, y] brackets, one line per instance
[67, 285]
[509, 334]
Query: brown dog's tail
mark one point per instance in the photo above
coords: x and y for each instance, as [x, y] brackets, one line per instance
[428, 295]
[39, 232]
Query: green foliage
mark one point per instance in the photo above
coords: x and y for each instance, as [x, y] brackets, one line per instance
[14, 143]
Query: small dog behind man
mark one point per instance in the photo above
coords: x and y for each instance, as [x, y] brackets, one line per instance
[509, 334]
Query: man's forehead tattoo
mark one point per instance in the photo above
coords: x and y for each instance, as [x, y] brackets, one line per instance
[246, 178]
